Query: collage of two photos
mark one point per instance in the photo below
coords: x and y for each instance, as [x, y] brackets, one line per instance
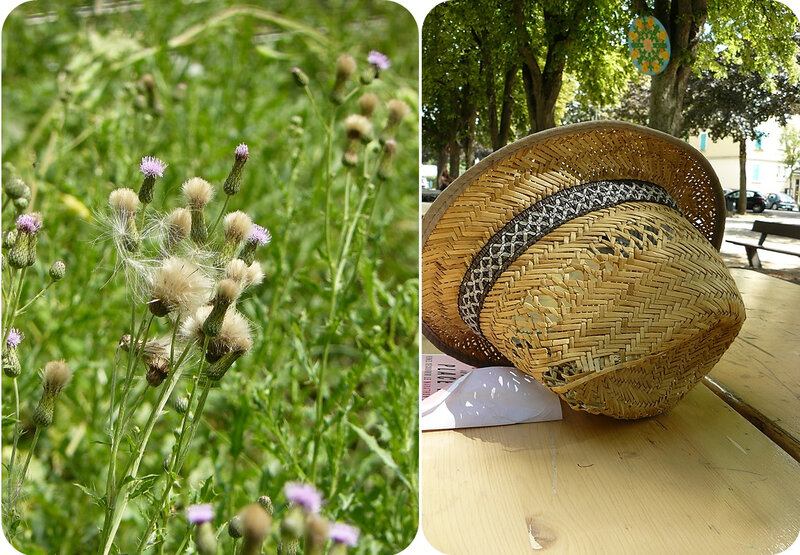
[336, 276]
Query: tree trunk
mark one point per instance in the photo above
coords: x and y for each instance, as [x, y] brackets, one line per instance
[684, 20]
[469, 143]
[441, 163]
[455, 159]
[507, 109]
[742, 204]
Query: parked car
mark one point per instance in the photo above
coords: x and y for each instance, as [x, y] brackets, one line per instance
[780, 201]
[755, 201]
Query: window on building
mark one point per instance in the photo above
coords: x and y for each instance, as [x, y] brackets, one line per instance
[759, 146]
[756, 171]
[703, 139]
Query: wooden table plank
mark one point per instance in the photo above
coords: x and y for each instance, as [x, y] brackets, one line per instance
[699, 479]
[762, 366]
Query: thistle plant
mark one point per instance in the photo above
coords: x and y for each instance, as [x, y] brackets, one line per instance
[183, 287]
[20, 245]
[254, 529]
[365, 163]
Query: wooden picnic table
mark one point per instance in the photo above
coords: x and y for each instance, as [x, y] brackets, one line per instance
[698, 479]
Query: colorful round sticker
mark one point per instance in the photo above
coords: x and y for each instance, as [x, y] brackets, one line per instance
[648, 44]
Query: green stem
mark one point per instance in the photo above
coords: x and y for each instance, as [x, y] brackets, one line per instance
[316, 109]
[221, 212]
[133, 466]
[176, 458]
[16, 440]
[12, 314]
[39, 294]
[30, 454]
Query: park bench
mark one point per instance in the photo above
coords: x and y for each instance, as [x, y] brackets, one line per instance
[768, 228]
[699, 477]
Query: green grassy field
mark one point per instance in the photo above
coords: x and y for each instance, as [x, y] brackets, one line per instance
[328, 393]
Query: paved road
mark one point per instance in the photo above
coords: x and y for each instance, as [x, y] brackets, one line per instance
[739, 228]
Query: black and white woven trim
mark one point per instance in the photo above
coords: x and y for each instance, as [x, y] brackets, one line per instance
[535, 222]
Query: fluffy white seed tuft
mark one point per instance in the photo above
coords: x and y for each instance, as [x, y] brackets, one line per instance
[197, 192]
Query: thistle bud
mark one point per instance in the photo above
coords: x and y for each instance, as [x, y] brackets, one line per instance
[316, 534]
[356, 127]
[397, 111]
[152, 168]
[58, 270]
[11, 365]
[55, 376]
[235, 527]
[345, 66]
[16, 188]
[198, 193]
[266, 504]
[9, 239]
[179, 225]
[124, 202]
[238, 226]
[157, 368]
[256, 524]
[234, 181]
[292, 525]
[228, 292]
[23, 252]
[288, 547]
[385, 166]
[258, 236]
[181, 405]
[217, 369]
[367, 104]
[300, 78]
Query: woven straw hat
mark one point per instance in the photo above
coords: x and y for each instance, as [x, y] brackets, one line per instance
[586, 256]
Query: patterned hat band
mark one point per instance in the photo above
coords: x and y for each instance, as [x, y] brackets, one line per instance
[538, 220]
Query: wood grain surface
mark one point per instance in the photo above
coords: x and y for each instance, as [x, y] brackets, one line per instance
[762, 367]
[698, 479]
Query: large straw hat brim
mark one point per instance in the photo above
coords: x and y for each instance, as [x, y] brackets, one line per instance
[483, 199]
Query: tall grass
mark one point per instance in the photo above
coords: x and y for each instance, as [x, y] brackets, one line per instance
[77, 117]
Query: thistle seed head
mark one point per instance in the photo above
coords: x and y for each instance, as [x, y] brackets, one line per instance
[124, 202]
[197, 192]
[178, 285]
[179, 225]
[55, 376]
[255, 275]
[58, 270]
[367, 104]
[157, 369]
[356, 126]
[397, 110]
[234, 335]
[256, 524]
[345, 67]
[237, 226]
[236, 270]
[228, 292]
[316, 532]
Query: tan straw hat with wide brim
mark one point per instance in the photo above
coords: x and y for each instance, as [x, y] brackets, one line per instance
[586, 256]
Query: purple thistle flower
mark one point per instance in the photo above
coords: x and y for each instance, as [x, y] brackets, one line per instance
[344, 533]
[198, 514]
[14, 338]
[29, 223]
[304, 495]
[259, 235]
[152, 166]
[379, 60]
[242, 152]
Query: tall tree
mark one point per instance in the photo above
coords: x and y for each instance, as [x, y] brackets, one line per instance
[755, 33]
[583, 37]
[734, 104]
